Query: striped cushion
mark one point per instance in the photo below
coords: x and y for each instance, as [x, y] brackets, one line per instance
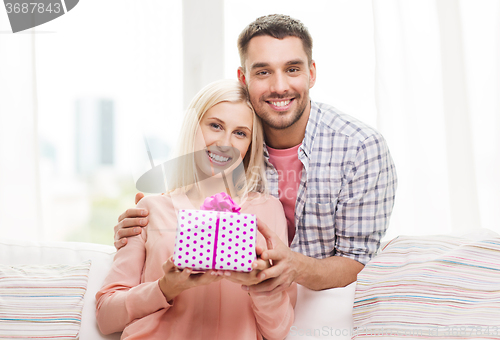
[430, 287]
[42, 302]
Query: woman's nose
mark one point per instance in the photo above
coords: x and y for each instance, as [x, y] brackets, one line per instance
[224, 143]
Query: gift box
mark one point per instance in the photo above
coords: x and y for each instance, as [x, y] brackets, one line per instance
[220, 240]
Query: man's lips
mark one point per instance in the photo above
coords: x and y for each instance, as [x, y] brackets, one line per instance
[280, 104]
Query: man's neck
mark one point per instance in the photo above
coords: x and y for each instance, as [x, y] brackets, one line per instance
[289, 137]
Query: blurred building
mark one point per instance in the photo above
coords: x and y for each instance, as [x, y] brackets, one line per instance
[95, 134]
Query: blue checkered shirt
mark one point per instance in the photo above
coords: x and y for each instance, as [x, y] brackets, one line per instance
[346, 192]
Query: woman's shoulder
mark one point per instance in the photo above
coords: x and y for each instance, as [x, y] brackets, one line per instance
[256, 199]
[153, 201]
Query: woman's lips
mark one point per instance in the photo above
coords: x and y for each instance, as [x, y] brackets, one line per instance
[218, 159]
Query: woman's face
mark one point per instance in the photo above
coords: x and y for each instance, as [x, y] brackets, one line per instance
[223, 138]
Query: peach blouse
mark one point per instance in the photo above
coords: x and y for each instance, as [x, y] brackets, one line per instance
[131, 300]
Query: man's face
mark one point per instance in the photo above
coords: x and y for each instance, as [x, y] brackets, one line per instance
[278, 77]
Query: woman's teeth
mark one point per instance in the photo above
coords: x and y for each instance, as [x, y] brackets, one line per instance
[217, 158]
[281, 103]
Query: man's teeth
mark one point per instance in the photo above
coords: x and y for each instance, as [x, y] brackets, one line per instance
[217, 157]
[282, 103]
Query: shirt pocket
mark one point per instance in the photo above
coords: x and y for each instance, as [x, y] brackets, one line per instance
[319, 222]
[323, 186]
[325, 213]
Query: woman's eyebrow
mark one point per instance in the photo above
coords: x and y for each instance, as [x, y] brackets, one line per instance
[220, 121]
[244, 128]
[217, 119]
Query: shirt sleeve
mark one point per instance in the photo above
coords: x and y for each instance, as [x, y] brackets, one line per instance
[366, 200]
[123, 298]
[274, 314]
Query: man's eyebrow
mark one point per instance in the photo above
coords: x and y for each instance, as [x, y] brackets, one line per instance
[288, 63]
[259, 65]
[295, 62]
[222, 122]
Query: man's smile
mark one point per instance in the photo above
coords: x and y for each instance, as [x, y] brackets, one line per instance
[280, 105]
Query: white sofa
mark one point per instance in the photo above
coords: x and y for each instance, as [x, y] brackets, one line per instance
[314, 311]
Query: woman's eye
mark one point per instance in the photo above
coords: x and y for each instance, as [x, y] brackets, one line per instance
[240, 134]
[216, 126]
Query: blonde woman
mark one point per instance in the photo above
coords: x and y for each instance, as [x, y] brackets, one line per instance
[145, 295]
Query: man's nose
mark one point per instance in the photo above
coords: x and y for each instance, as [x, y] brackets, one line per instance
[279, 83]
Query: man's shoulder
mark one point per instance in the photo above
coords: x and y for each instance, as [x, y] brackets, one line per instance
[340, 123]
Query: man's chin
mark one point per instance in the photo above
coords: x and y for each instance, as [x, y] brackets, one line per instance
[280, 120]
[280, 124]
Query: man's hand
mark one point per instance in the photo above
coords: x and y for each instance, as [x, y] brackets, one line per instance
[283, 271]
[130, 223]
[175, 281]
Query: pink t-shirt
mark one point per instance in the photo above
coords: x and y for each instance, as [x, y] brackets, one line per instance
[289, 167]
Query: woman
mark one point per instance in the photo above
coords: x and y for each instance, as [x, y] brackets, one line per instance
[145, 295]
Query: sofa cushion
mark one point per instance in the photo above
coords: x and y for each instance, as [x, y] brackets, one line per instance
[42, 301]
[43, 253]
[438, 287]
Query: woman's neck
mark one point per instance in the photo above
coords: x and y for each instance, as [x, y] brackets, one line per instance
[209, 187]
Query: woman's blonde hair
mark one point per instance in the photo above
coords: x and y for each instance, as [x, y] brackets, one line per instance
[214, 93]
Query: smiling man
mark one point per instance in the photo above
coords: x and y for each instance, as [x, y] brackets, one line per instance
[333, 174]
[340, 195]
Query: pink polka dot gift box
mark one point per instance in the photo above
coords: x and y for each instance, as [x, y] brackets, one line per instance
[215, 240]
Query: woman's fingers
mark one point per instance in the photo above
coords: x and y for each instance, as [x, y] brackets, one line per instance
[259, 264]
[169, 266]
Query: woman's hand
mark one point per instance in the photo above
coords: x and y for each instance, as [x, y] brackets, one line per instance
[175, 281]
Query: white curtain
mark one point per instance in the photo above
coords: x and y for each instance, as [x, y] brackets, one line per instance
[123, 51]
[20, 203]
[429, 80]
[437, 90]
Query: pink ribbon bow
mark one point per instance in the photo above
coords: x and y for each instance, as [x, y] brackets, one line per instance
[220, 202]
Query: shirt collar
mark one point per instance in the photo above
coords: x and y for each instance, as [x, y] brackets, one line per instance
[311, 127]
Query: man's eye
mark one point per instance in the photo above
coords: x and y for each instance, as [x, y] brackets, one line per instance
[262, 73]
[292, 70]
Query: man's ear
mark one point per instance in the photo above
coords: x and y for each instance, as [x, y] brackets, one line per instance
[241, 76]
[312, 74]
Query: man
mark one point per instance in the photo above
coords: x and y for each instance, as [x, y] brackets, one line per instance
[333, 174]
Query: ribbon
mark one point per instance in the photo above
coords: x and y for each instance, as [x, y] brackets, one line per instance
[216, 240]
[219, 202]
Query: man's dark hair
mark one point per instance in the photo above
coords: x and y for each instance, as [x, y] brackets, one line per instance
[277, 26]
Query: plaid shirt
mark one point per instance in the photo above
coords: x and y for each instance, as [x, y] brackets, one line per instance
[347, 188]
